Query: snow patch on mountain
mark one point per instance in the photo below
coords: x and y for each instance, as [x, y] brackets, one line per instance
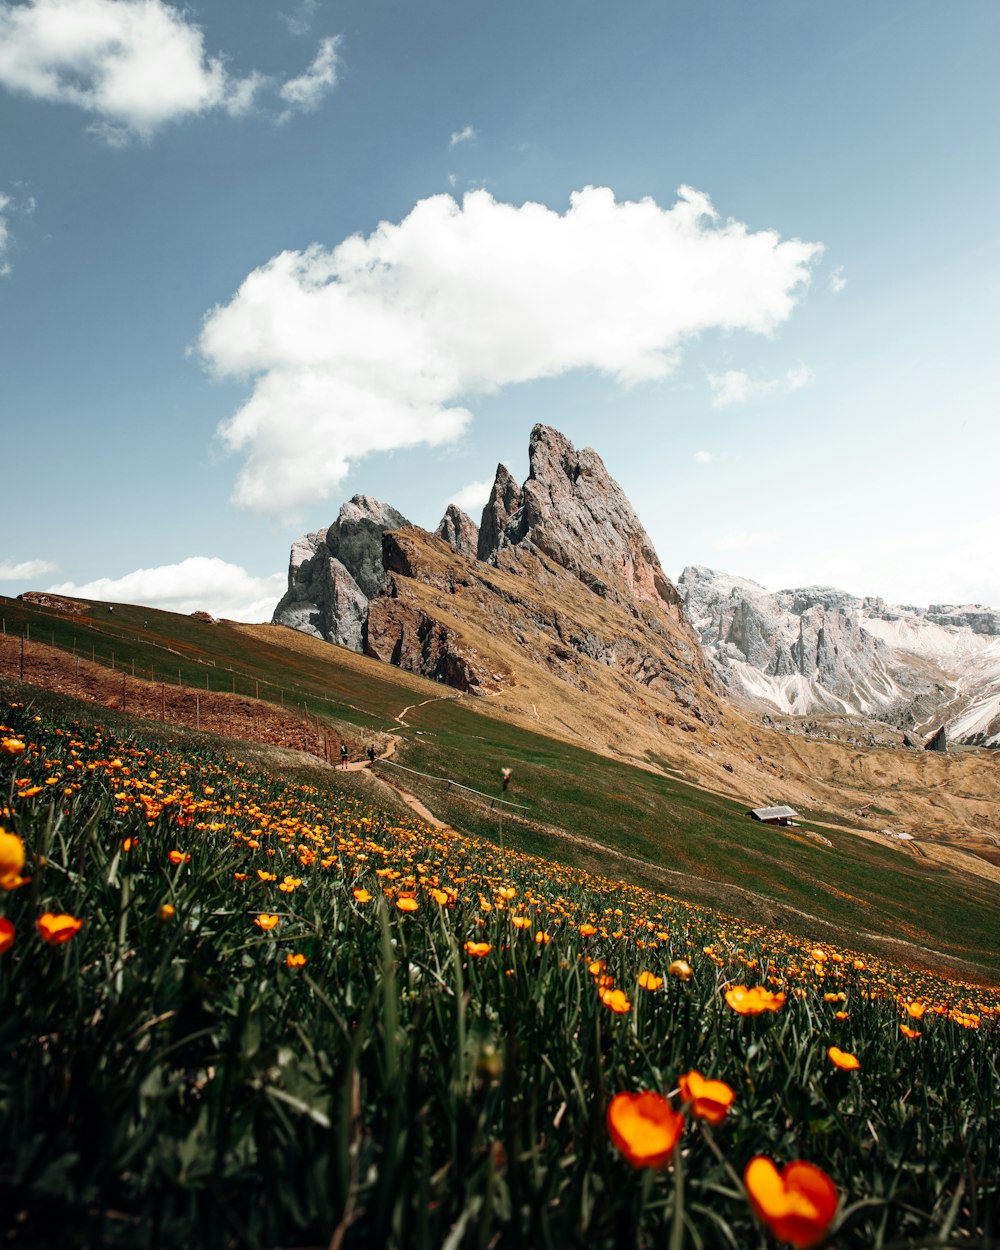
[820, 650]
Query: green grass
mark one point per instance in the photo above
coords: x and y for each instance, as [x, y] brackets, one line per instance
[857, 886]
[172, 1082]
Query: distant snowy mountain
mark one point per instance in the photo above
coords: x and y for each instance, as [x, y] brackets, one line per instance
[821, 650]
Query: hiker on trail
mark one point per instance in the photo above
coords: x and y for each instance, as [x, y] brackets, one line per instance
[371, 755]
[343, 755]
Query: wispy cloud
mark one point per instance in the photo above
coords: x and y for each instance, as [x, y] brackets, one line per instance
[702, 457]
[379, 342]
[11, 571]
[836, 281]
[299, 21]
[307, 91]
[737, 387]
[471, 498]
[134, 65]
[199, 583]
[461, 136]
[4, 235]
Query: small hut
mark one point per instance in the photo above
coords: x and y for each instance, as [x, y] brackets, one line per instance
[773, 815]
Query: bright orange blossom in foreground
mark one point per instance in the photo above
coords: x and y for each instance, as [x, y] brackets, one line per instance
[645, 1128]
[797, 1204]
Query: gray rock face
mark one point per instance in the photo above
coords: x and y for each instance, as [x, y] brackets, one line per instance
[333, 573]
[819, 649]
[504, 500]
[459, 531]
[573, 512]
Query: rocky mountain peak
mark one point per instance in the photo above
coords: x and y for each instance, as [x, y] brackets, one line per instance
[571, 510]
[459, 531]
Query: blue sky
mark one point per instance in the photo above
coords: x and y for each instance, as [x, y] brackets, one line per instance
[800, 388]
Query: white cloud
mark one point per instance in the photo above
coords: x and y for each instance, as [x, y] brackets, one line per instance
[134, 64]
[746, 541]
[462, 136]
[376, 343]
[300, 19]
[702, 457]
[836, 281]
[472, 498]
[10, 572]
[736, 387]
[199, 583]
[307, 91]
[4, 236]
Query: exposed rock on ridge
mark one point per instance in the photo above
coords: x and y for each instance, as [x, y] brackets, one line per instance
[820, 649]
[459, 531]
[571, 510]
[334, 573]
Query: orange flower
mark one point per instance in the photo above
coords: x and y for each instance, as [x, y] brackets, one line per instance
[797, 1204]
[129, 843]
[264, 921]
[178, 857]
[648, 981]
[521, 922]
[710, 1100]
[587, 930]
[167, 912]
[616, 1001]
[843, 1060]
[439, 896]
[361, 896]
[11, 861]
[681, 969]
[407, 904]
[266, 876]
[477, 949]
[645, 1128]
[908, 1032]
[915, 1010]
[751, 1002]
[295, 961]
[840, 1015]
[11, 746]
[57, 929]
[541, 938]
[6, 935]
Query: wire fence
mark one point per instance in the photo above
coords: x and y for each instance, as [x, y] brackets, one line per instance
[456, 785]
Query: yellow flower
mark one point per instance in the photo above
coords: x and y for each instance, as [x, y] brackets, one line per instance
[843, 1060]
[521, 922]
[11, 861]
[11, 746]
[915, 1010]
[751, 1002]
[541, 938]
[56, 929]
[587, 930]
[797, 1204]
[908, 1032]
[361, 896]
[645, 1128]
[615, 1001]
[681, 969]
[710, 1100]
[407, 904]
[295, 961]
[477, 949]
[648, 981]
[264, 921]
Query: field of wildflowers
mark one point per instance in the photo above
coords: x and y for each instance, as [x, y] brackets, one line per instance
[245, 1010]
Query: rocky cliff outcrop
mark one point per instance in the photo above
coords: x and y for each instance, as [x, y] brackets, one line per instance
[459, 531]
[570, 542]
[819, 649]
[334, 573]
[572, 511]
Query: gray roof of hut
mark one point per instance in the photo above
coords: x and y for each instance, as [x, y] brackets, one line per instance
[773, 813]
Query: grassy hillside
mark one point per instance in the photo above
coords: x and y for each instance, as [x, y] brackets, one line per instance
[246, 1010]
[581, 807]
